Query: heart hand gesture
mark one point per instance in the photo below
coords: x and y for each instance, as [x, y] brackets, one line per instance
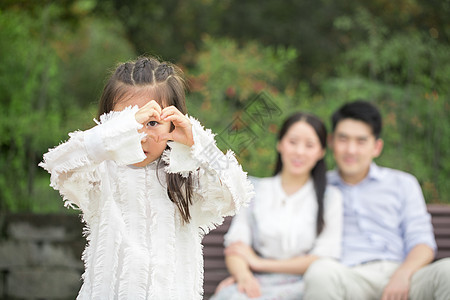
[152, 112]
[183, 127]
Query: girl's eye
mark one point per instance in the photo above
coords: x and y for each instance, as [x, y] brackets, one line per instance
[152, 124]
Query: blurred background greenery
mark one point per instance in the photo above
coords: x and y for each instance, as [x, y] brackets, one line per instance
[249, 64]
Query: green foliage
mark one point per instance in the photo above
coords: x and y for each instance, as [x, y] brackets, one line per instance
[89, 53]
[50, 79]
[168, 28]
[250, 64]
[407, 76]
[28, 79]
[239, 92]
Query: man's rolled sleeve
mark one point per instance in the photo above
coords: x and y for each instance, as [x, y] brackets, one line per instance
[416, 224]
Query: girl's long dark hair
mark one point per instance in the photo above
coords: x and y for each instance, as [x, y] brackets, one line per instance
[166, 84]
[318, 173]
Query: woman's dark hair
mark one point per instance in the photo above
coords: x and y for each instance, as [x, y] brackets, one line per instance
[165, 83]
[318, 173]
[360, 110]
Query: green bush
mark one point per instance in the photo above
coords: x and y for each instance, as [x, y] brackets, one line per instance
[240, 92]
[55, 58]
[229, 81]
[51, 75]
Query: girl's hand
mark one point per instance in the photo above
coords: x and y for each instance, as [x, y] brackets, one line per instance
[246, 252]
[151, 110]
[183, 128]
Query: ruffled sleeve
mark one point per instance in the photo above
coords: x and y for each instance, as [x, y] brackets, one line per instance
[73, 165]
[328, 243]
[223, 187]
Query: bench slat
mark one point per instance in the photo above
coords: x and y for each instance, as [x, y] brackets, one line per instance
[213, 239]
[215, 252]
[443, 243]
[443, 222]
[443, 253]
[442, 231]
[214, 264]
[438, 209]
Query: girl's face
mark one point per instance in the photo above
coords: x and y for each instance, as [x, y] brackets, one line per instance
[151, 148]
[300, 149]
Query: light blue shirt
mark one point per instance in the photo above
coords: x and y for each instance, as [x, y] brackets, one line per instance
[385, 216]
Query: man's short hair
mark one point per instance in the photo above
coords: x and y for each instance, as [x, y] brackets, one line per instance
[360, 110]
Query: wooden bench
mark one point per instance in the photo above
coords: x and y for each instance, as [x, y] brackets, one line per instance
[215, 269]
[440, 217]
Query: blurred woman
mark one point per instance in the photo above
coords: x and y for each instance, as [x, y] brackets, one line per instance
[294, 219]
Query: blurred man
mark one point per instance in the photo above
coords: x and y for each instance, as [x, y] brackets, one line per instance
[388, 241]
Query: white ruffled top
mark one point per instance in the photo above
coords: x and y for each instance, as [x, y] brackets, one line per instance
[279, 226]
[138, 247]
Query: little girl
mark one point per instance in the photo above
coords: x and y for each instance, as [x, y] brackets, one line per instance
[150, 182]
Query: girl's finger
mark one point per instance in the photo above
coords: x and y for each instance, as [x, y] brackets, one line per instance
[170, 110]
[166, 137]
[177, 120]
[150, 109]
[153, 113]
[153, 104]
[146, 114]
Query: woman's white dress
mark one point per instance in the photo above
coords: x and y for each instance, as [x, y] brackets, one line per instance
[278, 226]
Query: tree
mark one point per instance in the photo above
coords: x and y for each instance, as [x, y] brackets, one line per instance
[51, 72]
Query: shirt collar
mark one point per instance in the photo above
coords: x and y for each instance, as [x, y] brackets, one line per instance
[375, 173]
[307, 186]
